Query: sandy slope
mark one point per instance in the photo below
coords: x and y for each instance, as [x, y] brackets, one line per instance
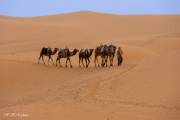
[145, 87]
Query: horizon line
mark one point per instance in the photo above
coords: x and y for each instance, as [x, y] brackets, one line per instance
[86, 11]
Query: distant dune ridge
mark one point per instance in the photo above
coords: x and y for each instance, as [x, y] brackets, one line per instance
[145, 87]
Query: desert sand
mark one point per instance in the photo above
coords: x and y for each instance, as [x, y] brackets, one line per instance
[145, 87]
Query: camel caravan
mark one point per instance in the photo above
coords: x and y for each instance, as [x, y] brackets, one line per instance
[105, 52]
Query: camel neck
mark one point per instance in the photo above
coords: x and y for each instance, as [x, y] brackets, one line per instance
[54, 52]
[72, 53]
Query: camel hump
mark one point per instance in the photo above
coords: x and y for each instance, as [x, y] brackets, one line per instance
[48, 49]
[67, 51]
[86, 51]
[83, 50]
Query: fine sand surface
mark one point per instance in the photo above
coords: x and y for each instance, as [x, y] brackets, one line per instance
[145, 87]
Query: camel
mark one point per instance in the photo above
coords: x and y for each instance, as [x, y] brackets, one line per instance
[47, 52]
[108, 52]
[105, 54]
[111, 53]
[85, 54]
[65, 53]
[97, 53]
[105, 51]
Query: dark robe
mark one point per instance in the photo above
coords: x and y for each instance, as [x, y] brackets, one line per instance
[119, 57]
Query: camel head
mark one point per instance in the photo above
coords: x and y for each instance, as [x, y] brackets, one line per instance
[55, 51]
[74, 52]
[114, 48]
[91, 51]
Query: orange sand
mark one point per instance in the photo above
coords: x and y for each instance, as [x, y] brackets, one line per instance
[145, 87]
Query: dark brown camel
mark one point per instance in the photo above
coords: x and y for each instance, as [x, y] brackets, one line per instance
[111, 53]
[97, 53]
[105, 52]
[85, 54]
[108, 51]
[47, 52]
[65, 53]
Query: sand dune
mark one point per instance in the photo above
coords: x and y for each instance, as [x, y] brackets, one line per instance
[145, 87]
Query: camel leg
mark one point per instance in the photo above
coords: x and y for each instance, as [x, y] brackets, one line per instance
[98, 62]
[106, 61]
[57, 59]
[82, 60]
[60, 62]
[86, 62]
[95, 61]
[79, 61]
[66, 62]
[110, 61]
[52, 60]
[43, 59]
[39, 58]
[70, 62]
[102, 62]
[49, 59]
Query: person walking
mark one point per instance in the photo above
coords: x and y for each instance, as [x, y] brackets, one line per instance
[119, 56]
